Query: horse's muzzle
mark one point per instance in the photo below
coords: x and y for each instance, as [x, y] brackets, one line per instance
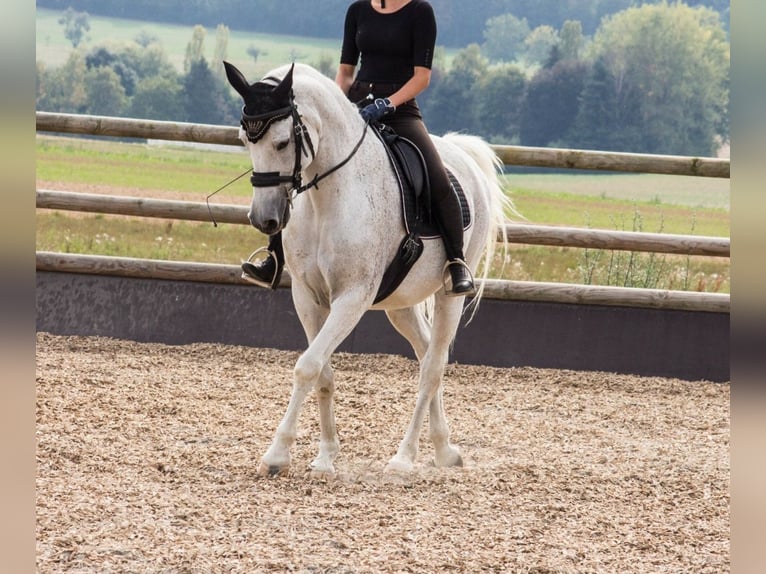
[269, 225]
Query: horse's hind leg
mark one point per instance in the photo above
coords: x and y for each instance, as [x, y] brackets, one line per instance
[411, 324]
[446, 318]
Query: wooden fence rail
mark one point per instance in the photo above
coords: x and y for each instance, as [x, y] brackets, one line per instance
[494, 288]
[510, 155]
[516, 233]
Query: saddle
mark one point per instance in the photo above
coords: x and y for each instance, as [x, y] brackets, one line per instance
[411, 172]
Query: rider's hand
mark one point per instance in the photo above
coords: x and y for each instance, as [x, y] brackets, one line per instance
[376, 110]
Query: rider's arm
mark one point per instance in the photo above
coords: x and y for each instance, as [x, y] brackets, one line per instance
[414, 86]
[345, 77]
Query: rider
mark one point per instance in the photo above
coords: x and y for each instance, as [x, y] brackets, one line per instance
[395, 40]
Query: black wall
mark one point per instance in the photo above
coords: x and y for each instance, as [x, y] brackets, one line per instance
[681, 344]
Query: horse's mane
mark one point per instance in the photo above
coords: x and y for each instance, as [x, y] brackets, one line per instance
[310, 85]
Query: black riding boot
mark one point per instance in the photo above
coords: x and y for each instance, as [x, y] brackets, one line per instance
[450, 222]
[267, 272]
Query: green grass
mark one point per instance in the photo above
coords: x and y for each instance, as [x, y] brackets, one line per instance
[140, 165]
[145, 238]
[53, 48]
[551, 199]
[561, 208]
[625, 202]
[654, 189]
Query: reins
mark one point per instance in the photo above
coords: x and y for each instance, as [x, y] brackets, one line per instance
[317, 178]
[207, 199]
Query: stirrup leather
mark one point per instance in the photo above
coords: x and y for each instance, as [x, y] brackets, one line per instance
[277, 273]
[446, 276]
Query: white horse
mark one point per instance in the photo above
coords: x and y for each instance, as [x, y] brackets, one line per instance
[343, 231]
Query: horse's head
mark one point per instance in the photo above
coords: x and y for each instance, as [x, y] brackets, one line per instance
[277, 139]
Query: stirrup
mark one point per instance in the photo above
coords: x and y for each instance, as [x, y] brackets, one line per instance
[446, 275]
[274, 283]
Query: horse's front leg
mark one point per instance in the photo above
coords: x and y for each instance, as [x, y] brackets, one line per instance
[313, 371]
[277, 457]
[329, 445]
[313, 318]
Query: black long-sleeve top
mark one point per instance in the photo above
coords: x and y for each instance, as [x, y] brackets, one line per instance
[390, 45]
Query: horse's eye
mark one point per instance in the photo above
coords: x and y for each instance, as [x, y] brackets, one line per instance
[282, 144]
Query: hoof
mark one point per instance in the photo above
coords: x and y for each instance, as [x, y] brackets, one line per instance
[322, 469]
[272, 469]
[449, 458]
[399, 464]
[321, 474]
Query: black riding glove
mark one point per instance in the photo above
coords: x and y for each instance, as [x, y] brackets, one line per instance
[376, 110]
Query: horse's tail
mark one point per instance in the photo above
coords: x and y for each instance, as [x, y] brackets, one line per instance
[499, 204]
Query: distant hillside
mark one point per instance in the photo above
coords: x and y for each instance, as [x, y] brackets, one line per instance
[460, 22]
[53, 48]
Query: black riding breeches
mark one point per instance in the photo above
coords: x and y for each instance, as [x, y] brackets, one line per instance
[407, 122]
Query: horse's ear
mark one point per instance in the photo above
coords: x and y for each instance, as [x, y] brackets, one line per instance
[282, 91]
[236, 79]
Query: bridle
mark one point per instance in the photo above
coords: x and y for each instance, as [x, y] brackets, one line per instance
[256, 126]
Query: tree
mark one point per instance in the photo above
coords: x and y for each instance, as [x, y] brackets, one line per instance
[552, 103]
[221, 51]
[145, 38]
[500, 97]
[195, 49]
[460, 22]
[76, 24]
[597, 125]
[148, 61]
[158, 98]
[504, 38]
[105, 95]
[132, 63]
[538, 44]
[450, 104]
[206, 99]
[670, 65]
[571, 40]
[63, 89]
[326, 64]
[104, 57]
[254, 52]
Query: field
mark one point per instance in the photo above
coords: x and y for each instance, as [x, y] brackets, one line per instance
[53, 48]
[274, 50]
[651, 203]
